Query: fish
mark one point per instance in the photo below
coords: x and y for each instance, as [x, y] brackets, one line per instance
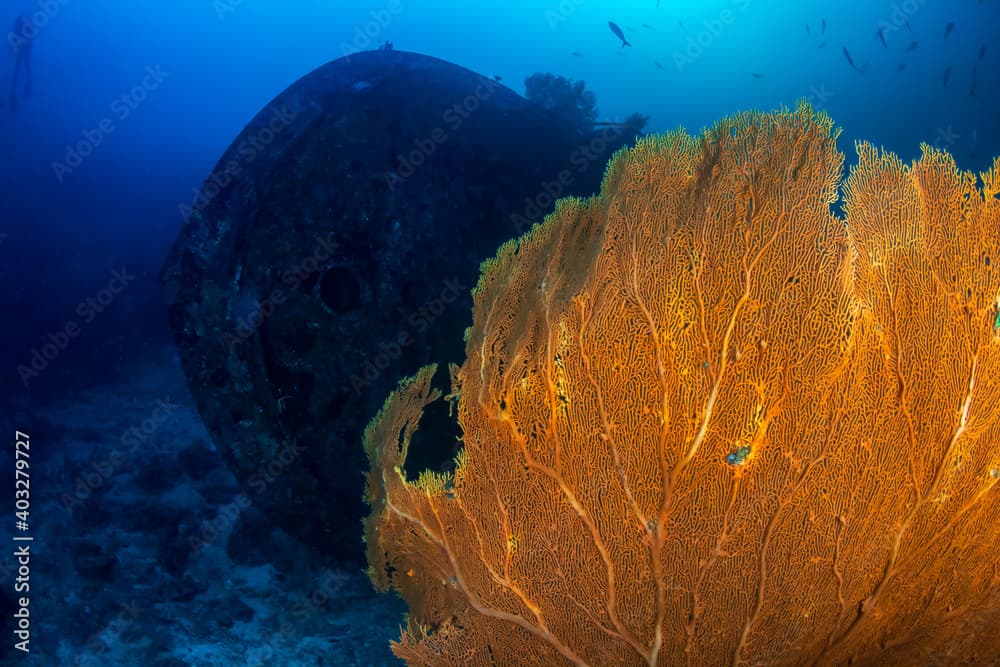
[681, 24]
[647, 26]
[497, 78]
[618, 33]
[948, 29]
[946, 77]
[808, 33]
[658, 65]
[982, 52]
[850, 61]
[900, 67]
[906, 22]
[821, 44]
[576, 54]
[881, 36]
[758, 75]
[911, 46]
[822, 29]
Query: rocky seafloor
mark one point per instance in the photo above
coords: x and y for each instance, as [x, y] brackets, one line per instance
[147, 553]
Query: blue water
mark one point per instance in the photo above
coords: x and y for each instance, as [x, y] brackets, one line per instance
[217, 62]
[134, 101]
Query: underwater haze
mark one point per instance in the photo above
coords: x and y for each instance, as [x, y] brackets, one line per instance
[215, 64]
[150, 540]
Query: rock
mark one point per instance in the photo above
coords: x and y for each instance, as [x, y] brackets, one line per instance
[93, 562]
[232, 610]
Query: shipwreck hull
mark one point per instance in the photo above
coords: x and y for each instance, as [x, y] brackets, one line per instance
[332, 251]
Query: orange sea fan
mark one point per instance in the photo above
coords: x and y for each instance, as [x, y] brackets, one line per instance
[707, 421]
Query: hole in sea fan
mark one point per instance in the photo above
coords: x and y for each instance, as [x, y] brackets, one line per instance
[434, 445]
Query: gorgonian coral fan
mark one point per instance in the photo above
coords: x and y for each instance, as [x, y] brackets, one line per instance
[707, 421]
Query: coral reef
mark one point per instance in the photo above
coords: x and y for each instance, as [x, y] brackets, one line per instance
[573, 105]
[569, 99]
[706, 421]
